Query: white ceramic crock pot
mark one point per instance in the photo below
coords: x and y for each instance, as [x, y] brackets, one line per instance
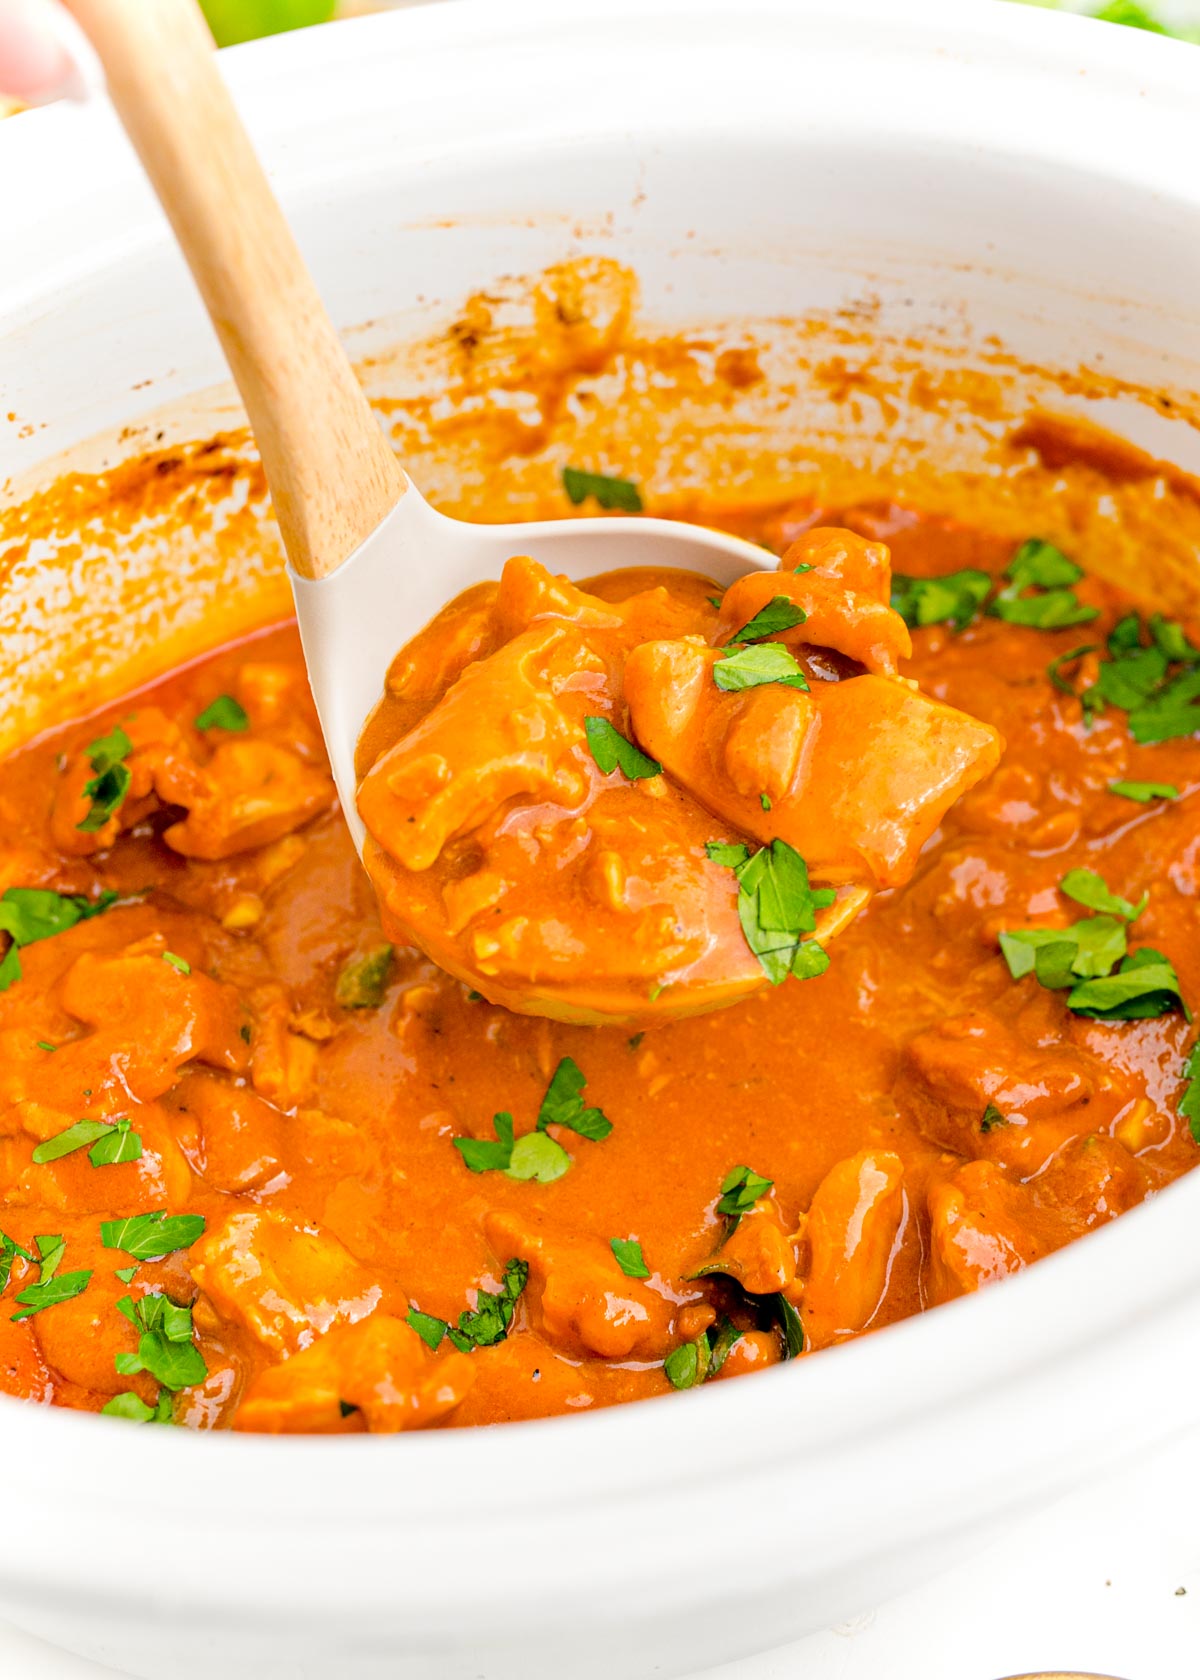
[1036, 174]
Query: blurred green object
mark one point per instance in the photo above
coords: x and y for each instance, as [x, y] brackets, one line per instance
[1129, 12]
[245, 20]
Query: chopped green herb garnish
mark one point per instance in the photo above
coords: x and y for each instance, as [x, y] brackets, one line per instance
[1145, 986]
[165, 1346]
[110, 783]
[992, 1118]
[697, 1361]
[430, 1329]
[113, 1140]
[952, 599]
[730, 854]
[1144, 792]
[490, 1320]
[1090, 959]
[1060, 956]
[42, 1045]
[740, 1189]
[612, 750]
[1039, 567]
[764, 799]
[132, 1407]
[179, 964]
[10, 1251]
[223, 713]
[628, 1255]
[50, 1252]
[563, 1104]
[362, 983]
[636, 1040]
[1089, 698]
[778, 615]
[147, 1236]
[50, 1292]
[126, 1273]
[1088, 888]
[721, 1341]
[119, 1145]
[1189, 1102]
[610, 493]
[756, 664]
[1169, 713]
[485, 1154]
[714, 601]
[687, 1365]
[29, 914]
[776, 906]
[537, 1156]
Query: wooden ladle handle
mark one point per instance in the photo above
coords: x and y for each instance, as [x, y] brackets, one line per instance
[332, 474]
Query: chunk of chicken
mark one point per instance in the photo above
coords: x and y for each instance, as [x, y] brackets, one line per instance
[156, 1017]
[248, 794]
[757, 1251]
[850, 1231]
[975, 1086]
[505, 728]
[982, 1228]
[287, 1283]
[379, 1371]
[856, 774]
[581, 1299]
[844, 593]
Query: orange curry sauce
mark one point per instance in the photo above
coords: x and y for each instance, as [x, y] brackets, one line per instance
[928, 1123]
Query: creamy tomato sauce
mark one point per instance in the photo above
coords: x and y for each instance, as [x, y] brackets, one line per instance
[913, 1123]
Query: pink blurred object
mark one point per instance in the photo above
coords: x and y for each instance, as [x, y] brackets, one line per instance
[35, 64]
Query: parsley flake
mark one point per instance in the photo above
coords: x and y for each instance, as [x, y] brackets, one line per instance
[1144, 792]
[165, 1346]
[756, 664]
[52, 1287]
[740, 1189]
[1039, 567]
[223, 713]
[536, 1155]
[563, 1104]
[179, 964]
[1088, 888]
[110, 783]
[10, 1250]
[491, 1318]
[610, 493]
[954, 598]
[628, 1255]
[1189, 1102]
[112, 1141]
[430, 1329]
[992, 1118]
[778, 615]
[132, 1407]
[147, 1236]
[776, 906]
[611, 750]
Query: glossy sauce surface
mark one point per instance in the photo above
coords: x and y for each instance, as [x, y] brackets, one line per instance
[316, 1139]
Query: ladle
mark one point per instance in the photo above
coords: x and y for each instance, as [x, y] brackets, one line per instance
[370, 561]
